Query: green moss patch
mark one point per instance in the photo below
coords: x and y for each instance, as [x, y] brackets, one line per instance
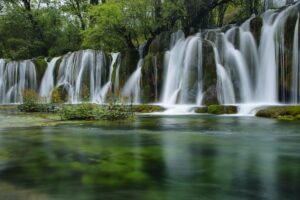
[147, 108]
[221, 109]
[282, 112]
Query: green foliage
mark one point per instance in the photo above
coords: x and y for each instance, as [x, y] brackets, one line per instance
[29, 30]
[95, 112]
[32, 103]
[116, 25]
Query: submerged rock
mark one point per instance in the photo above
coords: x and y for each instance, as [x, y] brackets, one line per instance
[222, 109]
[144, 108]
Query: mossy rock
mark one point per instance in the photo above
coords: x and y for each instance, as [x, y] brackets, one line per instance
[280, 112]
[255, 27]
[40, 67]
[201, 110]
[129, 60]
[145, 108]
[222, 109]
[152, 77]
[210, 96]
[161, 43]
[209, 65]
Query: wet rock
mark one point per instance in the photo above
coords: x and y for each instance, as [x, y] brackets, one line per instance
[40, 67]
[201, 110]
[222, 109]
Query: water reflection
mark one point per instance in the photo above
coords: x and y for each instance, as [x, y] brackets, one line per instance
[196, 157]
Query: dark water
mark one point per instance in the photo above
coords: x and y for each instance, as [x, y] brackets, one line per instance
[153, 158]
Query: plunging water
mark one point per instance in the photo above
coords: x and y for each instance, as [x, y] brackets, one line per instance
[82, 69]
[132, 88]
[108, 85]
[47, 84]
[15, 78]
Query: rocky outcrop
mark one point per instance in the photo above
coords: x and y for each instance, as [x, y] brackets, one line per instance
[209, 75]
[152, 71]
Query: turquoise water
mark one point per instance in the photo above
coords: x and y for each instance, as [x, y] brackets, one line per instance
[153, 158]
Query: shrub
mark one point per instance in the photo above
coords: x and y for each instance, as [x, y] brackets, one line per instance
[95, 112]
[32, 103]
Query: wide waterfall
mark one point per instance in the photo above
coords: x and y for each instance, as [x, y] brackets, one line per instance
[256, 63]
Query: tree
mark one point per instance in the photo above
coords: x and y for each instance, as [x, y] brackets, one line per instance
[116, 25]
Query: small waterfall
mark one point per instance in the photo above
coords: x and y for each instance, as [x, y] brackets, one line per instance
[234, 58]
[82, 69]
[295, 70]
[182, 63]
[132, 88]
[15, 78]
[200, 74]
[107, 86]
[225, 89]
[47, 83]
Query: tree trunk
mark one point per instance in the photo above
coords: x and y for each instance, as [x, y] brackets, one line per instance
[94, 2]
[27, 4]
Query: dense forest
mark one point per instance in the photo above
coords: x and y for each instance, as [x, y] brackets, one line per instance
[32, 28]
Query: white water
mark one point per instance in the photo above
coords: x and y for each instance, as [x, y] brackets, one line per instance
[183, 64]
[108, 85]
[132, 88]
[15, 78]
[47, 84]
[77, 66]
[295, 71]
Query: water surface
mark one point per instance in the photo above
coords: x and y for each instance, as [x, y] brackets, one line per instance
[153, 158]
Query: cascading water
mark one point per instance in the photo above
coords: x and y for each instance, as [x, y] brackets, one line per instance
[47, 84]
[250, 70]
[132, 88]
[224, 85]
[296, 64]
[81, 70]
[15, 78]
[183, 63]
[108, 85]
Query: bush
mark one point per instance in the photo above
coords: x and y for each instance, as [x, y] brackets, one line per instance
[32, 103]
[95, 112]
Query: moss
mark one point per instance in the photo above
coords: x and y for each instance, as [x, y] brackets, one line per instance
[283, 113]
[129, 60]
[56, 69]
[40, 66]
[160, 43]
[221, 109]
[145, 108]
[255, 27]
[201, 110]
[209, 75]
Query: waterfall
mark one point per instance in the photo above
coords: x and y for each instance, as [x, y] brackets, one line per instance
[82, 69]
[47, 83]
[182, 62]
[295, 70]
[107, 86]
[132, 88]
[225, 89]
[15, 78]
